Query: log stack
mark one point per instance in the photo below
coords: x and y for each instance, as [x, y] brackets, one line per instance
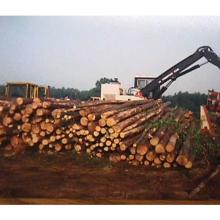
[143, 132]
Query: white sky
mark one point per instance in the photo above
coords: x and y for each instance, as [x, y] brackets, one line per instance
[76, 51]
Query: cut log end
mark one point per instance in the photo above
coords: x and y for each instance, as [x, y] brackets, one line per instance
[142, 149]
[154, 141]
[110, 122]
[102, 122]
[84, 121]
[159, 149]
[181, 160]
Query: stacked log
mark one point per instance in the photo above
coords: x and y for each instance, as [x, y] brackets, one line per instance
[27, 122]
[140, 132]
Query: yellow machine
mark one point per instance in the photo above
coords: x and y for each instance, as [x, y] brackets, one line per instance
[26, 90]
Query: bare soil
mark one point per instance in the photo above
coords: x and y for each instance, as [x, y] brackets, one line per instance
[67, 178]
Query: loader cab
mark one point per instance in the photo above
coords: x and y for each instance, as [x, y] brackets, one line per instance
[142, 81]
[43, 91]
[26, 90]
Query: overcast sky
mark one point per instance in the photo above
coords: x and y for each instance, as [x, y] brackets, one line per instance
[76, 51]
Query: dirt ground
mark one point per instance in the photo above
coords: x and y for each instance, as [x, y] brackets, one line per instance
[70, 179]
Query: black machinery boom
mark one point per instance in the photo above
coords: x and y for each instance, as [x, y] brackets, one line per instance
[154, 89]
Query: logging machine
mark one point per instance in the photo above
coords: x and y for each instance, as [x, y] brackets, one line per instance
[26, 90]
[160, 84]
[154, 87]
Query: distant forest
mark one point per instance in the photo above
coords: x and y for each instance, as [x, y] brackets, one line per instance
[190, 101]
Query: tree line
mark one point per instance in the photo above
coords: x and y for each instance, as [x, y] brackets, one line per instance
[190, 101]
[79, 94]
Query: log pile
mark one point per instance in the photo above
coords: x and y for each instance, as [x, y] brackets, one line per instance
[140, 132]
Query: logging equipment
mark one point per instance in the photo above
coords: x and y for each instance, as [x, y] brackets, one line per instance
[154, 89]
[26, 90]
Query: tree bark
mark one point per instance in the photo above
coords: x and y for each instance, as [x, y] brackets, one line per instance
[128, 113]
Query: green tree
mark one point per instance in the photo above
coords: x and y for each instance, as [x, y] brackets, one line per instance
[77, 94]
[190, 101]
[2, 90]
[102, 81]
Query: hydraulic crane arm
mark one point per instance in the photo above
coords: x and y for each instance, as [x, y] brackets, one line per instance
[154, 89]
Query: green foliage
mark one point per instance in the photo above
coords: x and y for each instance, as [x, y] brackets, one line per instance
[203, 146]
[77, 94]
[64, 92]
[2, 90]
[190, 101]
[102, 81]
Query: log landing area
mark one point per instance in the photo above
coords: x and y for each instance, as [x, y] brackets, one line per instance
[32, 178]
